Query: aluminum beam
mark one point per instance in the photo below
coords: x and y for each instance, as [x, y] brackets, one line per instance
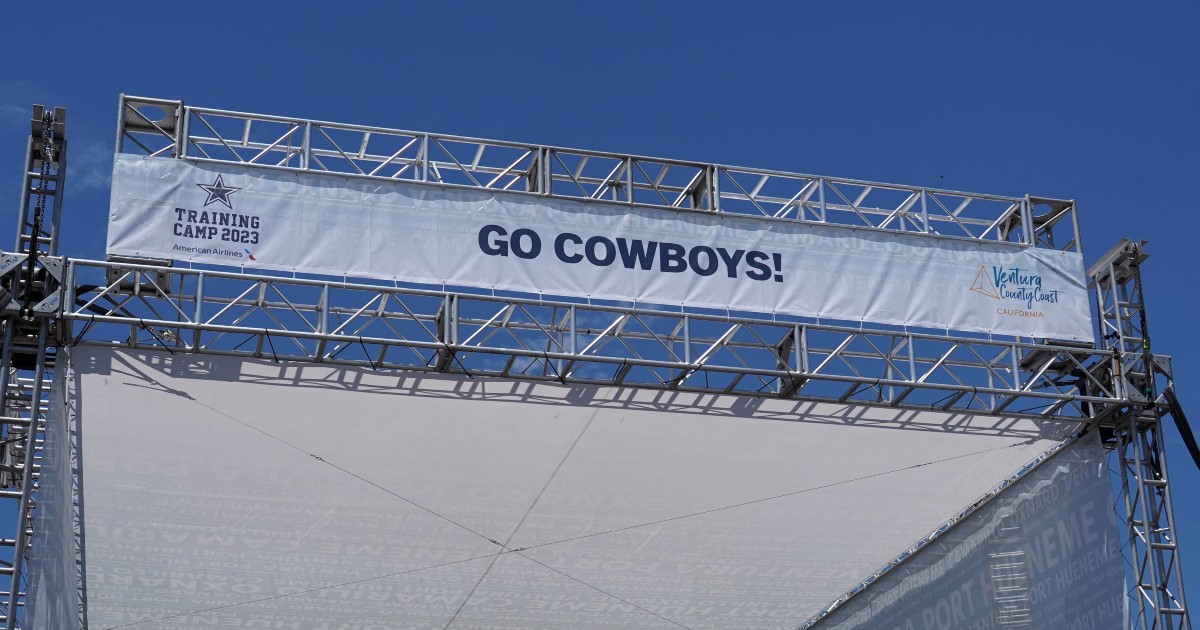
[164, 128]
[398, 328]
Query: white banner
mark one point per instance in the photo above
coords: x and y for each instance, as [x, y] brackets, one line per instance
[316, 223]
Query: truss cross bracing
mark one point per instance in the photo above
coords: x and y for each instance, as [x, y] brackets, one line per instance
[287, 319]
[162, 128]
[152, 305]
[30, 283]
[1153, 551]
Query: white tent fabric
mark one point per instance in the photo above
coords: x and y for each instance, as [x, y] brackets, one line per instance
[1044, 554]
[222, 492]
[52, 599]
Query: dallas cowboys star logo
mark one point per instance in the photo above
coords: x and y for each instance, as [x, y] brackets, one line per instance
[218, 191]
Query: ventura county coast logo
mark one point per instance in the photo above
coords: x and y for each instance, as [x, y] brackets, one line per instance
[1013, 286]
[204, 231]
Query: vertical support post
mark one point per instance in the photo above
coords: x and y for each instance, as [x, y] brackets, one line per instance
[28, 184]
[803, 349]
[122, 106]
[197, 312]
[540, 180]
[924, 211]
[1015, 355]
[323, 310]
[425, 157]
[1152, 547]
[60, 183]
[821, 199]
[1027, 235]
[447, 332]
[710, 190]
[25, 357]
[798, 349]
[714, 199]
[69, 287]
[182, 124]
[687, 339]
[1075, 236]
[628, 180]
[912, 358]
[574, 348]
[306, 148]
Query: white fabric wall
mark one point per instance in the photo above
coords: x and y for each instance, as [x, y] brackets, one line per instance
[1046, 552]
[53, 589]
[230, 493]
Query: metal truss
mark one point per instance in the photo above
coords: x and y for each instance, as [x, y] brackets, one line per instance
[1152, 548]
[397, 328]
[162, 128]
[30, 283]
[144, 304]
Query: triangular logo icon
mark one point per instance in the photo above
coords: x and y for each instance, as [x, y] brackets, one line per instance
[983, 284]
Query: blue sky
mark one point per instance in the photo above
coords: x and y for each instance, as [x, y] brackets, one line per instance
[1096, 102]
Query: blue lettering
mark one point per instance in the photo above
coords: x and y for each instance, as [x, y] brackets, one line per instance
[497, 247]
[671, 258]
[594, 243]
[1012, 284]
[560, 247]
[757, 261]
[631, 253]
[711, 262]
[526, 250]
[636, 252]
[731, 261]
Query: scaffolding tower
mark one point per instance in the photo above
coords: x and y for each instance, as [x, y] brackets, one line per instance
[1148, 387]
[1117, 384]
[30, 292]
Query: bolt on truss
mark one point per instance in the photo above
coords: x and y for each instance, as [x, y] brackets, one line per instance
[163, 128]
[30, 283]
[1146, 379]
